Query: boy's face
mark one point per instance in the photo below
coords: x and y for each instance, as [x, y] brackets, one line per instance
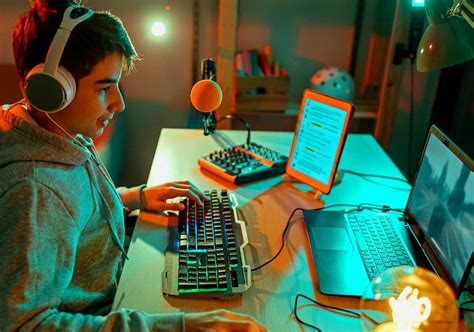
[97, 99]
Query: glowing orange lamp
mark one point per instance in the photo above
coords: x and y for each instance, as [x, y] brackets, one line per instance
[408, 298]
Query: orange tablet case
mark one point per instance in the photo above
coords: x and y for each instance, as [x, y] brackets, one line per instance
[331, 103]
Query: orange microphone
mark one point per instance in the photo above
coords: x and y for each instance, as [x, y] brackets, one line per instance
[206, 96]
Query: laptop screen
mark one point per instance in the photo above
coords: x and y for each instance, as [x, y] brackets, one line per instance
[442, 203]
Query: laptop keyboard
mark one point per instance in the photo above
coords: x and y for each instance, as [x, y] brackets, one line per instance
[379, 245]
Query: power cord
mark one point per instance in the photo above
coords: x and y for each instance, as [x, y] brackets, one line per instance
[246, 124]
[365, 175]
[282, 241]
[338, 311]
[382, 208]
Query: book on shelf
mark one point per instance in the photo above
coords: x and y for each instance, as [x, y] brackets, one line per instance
[252, 62]
[246, 61]
[239, 65]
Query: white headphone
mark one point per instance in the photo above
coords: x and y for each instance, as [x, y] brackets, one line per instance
[48, 87]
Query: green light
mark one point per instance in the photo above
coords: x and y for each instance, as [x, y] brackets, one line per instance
[417, 3]
[158, 29]
[201, 290]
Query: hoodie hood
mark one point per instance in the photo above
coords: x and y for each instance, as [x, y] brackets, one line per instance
[21, 139]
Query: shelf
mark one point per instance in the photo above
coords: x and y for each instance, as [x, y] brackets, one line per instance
[263, 94]
[377, 114]
[363, 120]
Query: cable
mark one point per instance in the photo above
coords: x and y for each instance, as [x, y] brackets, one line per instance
[246, 124]
[295, 310]
[383, 208]
[469, 289]
[410, 127]
[368, 176]
[463, 305]
[374, 175]
[282, 239]
[338, 311]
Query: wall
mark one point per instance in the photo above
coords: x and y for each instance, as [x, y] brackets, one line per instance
[404, 156]
[9, 11]
[305, 35]
[461, 128]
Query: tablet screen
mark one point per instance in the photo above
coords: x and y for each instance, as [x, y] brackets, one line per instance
[320, 135]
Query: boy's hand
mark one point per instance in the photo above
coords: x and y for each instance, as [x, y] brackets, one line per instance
[154, 198]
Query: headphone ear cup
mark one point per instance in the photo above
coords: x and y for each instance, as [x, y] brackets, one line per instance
[49, 93]
[68, 83]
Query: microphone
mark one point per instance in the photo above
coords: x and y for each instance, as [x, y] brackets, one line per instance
[206, 95]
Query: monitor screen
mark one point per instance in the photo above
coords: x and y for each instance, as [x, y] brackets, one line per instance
[442, 204]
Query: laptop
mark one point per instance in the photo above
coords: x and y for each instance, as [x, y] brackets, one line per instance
[436, 230]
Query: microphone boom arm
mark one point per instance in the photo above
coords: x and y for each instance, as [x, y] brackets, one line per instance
[208, 123]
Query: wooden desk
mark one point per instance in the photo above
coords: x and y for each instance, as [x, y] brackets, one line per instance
[266, 206]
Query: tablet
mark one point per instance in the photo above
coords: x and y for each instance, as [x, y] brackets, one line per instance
[320, 134]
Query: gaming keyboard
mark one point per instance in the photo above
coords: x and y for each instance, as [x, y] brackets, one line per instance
[205, 256]
[244, 163]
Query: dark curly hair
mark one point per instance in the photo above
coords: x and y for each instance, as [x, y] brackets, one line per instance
[89, 43]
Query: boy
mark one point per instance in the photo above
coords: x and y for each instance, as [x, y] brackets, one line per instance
[61, 219]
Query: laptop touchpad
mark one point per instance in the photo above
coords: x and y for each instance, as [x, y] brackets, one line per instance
[331, 238]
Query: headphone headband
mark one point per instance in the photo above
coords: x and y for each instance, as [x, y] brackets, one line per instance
[72, 17]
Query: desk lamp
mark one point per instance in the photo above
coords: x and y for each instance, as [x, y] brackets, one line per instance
[449, 38]
[408, 298]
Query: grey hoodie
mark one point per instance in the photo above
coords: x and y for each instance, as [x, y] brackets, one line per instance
[61, 235]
